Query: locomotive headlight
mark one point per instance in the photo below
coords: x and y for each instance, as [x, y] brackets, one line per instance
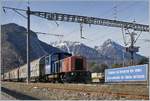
[72, 73]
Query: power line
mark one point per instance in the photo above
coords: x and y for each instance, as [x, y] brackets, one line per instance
[116, 11]
[80, 19]
[102, 35]
[138, 21]
[58, 35]
[20, 14]
[109, 10]
[123, 9]
[145, 40]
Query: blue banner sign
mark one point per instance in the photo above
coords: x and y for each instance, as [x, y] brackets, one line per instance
[130, 73]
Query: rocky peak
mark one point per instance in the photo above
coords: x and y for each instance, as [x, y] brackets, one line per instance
[13, 45]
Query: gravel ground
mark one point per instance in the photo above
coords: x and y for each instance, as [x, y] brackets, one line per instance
[5, 96]
[47, 91]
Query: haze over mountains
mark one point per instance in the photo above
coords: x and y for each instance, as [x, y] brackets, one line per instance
[14, 48]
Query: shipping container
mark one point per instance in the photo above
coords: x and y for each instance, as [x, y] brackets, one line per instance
[6, 76]
[35, 68]
[14, 74]
[23, 72]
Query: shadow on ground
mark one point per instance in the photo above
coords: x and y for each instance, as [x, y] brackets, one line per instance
[17, 95]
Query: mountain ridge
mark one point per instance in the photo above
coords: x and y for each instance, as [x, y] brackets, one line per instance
[109, 52]
[13, 48]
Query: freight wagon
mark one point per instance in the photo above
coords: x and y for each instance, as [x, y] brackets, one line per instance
[36, 70]
[6, 76]
[14, 74]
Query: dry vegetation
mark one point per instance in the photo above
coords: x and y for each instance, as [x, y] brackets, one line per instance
[79, 91]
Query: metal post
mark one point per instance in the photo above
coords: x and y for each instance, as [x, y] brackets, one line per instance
[81, 29]
[2, 67]
[132, 61]
[123, 64]
[148, 72]
[28, 45]
[132, 46]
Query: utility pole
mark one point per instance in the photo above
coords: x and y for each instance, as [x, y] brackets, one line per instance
[77, 19]
[28, 45]
[148, 72]
[123, 64]
[132, 49]
[2, 67]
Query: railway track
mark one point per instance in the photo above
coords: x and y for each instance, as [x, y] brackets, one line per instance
[120, 95]
[82, 88]
[115, 91]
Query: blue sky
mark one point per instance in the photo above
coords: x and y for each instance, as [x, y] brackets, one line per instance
[126, 11]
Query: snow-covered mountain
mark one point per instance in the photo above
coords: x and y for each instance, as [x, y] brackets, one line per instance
[116, 52]
[77, 48]
[14, 48]
[109, 52]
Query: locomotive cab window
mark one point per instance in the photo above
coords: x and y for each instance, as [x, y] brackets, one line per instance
[78, 64]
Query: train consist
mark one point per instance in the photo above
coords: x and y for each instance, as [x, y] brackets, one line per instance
[56, 67]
